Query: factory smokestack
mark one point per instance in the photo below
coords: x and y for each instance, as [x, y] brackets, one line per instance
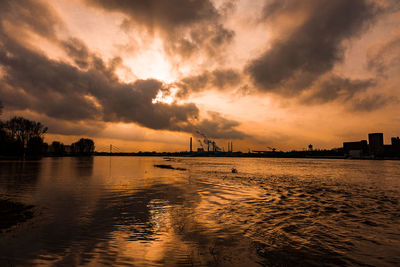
[191, 150]
[230, 147]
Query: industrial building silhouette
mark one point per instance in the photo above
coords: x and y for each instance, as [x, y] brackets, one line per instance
[374, 148]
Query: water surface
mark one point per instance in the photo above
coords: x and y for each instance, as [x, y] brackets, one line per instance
[123, 211]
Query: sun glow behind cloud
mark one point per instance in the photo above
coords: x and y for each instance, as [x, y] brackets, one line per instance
[165, 97]
[152, 63]
[142, 53]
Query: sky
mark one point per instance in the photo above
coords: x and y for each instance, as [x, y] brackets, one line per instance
[148, 75]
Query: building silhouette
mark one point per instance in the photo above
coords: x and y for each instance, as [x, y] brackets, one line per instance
[375, 148]
[356, 149]
[396, 142]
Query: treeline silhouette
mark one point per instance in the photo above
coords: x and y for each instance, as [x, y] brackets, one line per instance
[82, 147]
[21, 137]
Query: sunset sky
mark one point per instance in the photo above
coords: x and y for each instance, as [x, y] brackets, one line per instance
[147, 75]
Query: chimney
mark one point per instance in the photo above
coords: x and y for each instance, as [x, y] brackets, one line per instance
[191, 150]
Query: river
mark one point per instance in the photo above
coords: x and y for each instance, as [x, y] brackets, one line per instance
[123, 211]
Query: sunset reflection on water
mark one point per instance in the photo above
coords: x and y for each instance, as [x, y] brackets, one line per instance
[124, 211]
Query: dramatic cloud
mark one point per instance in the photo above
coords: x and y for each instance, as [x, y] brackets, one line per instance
[310, 49]
[370, 102]
[30, 14]
[356, 95]
[385, 57]
[89, 90]
[63, 91]
[78, 51]
[186, 26]
[159, 13]
[218, 79]
[337, 88]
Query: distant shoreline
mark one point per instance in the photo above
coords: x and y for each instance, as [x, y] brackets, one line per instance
[235, 155]
[195, 155]
[211, 155]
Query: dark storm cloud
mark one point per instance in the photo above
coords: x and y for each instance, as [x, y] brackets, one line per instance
[34, 15]
[160, 13]
[87, 91]
[78, 51]
[337, 88]
[209, 38]
[186, 26]
[312, 48]
[218, 79]
[370, 102]
[60, 90]
[385, 57]
[353, 94]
